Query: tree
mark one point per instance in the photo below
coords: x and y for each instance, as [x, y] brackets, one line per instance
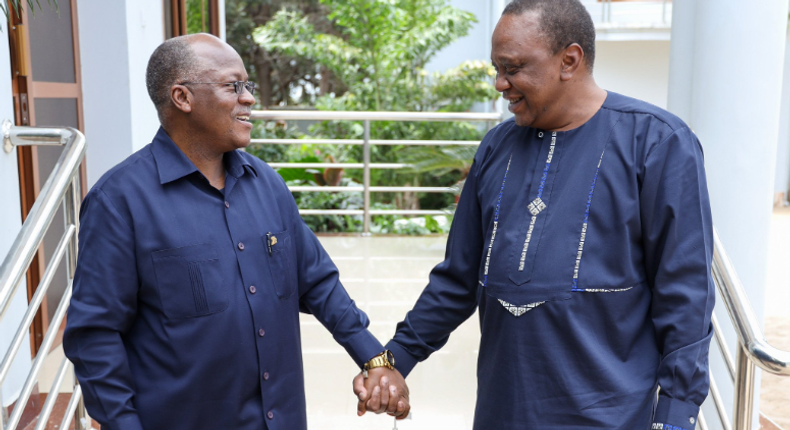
[379, 50]
[276, 75]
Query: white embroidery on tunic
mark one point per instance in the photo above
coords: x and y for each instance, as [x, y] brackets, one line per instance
[583, 238]
[519, 310]
[538, 205]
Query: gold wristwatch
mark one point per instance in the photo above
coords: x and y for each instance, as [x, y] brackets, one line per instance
[385, 359]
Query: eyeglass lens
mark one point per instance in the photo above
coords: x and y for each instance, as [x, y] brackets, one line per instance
[239, 86]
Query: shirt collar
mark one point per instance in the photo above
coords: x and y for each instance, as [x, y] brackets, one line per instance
[172, 163]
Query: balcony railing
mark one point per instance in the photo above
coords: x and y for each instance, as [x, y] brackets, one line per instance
[366, 165]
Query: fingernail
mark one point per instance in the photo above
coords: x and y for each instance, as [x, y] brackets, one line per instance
[360, 413]
[362, 395]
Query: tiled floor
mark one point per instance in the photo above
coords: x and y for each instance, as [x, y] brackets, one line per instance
[385, 275]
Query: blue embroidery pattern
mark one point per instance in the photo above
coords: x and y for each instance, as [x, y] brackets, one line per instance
[496, 223]
[538, 205]
[662, 426]
[575, 285]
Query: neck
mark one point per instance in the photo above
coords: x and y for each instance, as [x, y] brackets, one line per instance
[583, 101]
[202, 154]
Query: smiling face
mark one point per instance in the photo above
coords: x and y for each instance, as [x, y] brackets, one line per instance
[528, 73]
[219, 115]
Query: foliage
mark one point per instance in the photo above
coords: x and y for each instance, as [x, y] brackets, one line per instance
[17, 6]
[378, 51]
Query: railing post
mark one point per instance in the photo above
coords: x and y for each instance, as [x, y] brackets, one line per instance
[366, 178]
[744, 391]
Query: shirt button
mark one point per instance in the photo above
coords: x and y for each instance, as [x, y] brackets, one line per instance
[265, 376]
[253, 289]
[691, 420]
[540, 134]
[227, 205]
[261, 332]
[270, 415]
[241, 246]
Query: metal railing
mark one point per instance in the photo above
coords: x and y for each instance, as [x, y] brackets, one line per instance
[62, 188]
[636, 7]
[753, 350]
[366, 165]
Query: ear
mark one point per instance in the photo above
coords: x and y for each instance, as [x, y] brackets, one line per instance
[181, 98]
[572, 59]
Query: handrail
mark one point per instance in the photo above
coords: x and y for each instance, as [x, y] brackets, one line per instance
[322, 115]
[60, 189]
[747, 326]
[753, 348]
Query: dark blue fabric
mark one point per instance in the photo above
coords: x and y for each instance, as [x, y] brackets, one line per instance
[164, 328]
[625, 195]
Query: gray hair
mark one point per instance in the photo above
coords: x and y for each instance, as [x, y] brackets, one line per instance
[563, 22]
[171, 63]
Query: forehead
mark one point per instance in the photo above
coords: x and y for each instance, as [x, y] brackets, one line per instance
[518, 36]
[219, 60]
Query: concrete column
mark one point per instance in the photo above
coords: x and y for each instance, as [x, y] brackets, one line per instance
[725, 81]
[116, 40]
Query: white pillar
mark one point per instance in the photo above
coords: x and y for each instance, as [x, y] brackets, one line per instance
[116, 40]
[725, 81]
[782, 182]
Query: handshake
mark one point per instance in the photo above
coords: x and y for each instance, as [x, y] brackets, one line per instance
[381, 388]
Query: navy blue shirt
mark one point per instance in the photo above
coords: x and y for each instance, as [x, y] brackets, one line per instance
[588, 255]
[185, 312]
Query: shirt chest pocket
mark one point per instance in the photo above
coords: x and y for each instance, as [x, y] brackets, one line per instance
[189, 281]
[282, 263]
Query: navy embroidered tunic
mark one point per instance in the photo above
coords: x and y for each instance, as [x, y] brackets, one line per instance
[588, 255]
[185, 312]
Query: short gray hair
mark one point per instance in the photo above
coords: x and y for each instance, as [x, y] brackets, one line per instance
[171, 63]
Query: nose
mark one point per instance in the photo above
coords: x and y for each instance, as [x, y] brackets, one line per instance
[246, 98]
[501, 83]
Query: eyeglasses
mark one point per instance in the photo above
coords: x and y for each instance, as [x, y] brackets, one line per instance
[238, 86]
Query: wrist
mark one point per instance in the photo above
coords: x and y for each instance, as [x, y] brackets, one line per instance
[384, 359]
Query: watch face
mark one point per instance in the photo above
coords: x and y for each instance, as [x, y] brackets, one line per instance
[390, 358]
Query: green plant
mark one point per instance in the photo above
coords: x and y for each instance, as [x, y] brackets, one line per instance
[17, 6]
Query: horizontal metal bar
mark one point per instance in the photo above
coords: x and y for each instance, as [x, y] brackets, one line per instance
[407, 212]
[747, 326]
[328, 189]
[338, 165]
[379, 142]
[30, 136]
[331, 212]
[35, 302]
[43, 211]
[317, 115]
[372, 212]
[38, 362]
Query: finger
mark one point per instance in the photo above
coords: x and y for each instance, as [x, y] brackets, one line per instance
[385, 394]
[374, 404]
[403, 403]
[359, 387]
[392, 405]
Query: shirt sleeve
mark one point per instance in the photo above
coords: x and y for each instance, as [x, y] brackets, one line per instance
[678, 244]
[322, 294]
[451, 295]
[103, 307]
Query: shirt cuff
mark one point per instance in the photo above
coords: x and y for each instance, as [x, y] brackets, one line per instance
[404, 361]
[126, 422]
[363, 346]
[672, 414]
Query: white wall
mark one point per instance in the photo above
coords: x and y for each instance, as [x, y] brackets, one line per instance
[638, 69]
[11, 222]
[116, 39]
[782, 179]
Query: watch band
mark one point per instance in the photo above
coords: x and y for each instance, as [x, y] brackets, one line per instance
[384, 359]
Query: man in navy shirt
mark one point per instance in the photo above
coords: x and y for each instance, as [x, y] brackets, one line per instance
[194, 265]
[583, 236]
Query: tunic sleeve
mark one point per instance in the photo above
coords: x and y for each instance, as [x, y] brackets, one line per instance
[451, 295]
[102, 309]
[678, 243]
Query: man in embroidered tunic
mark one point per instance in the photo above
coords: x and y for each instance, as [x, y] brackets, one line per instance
[194, 265]
[583, 236]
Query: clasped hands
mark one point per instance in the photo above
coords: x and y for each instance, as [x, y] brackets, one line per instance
[384, 390]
